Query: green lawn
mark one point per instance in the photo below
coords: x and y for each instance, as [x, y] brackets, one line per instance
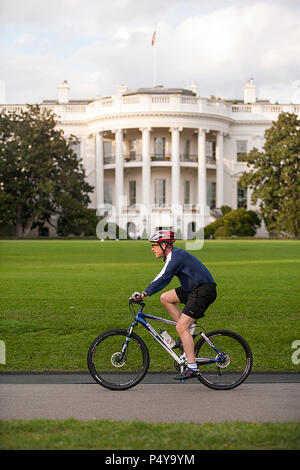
[57, 295]
[102, 434]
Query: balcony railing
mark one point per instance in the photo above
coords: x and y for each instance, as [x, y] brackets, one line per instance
[210, 160]
[161, 158]
[111, 159]
[133, 157]
[188, 158]
[194, 159]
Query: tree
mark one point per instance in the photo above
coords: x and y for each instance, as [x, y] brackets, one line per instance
[225, 209]
[238, 222]
[40, 174]
[274, 176]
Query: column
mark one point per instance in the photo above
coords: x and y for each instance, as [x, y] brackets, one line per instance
[176, 165]
[119, 168]
[202, 196]
[99, 170]
[146, 169]
[220, 171]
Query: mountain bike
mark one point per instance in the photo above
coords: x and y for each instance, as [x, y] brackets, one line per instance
[119, 359]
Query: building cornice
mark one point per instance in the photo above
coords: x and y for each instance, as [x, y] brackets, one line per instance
[153, 114]
[253, 123]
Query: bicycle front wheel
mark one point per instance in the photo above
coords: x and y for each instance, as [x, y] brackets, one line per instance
[233, 360]
[117, 361]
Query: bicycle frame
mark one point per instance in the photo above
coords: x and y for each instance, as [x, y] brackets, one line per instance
[141, 318]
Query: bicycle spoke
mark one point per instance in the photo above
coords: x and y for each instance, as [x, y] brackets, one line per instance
[116, 363]
[233, 363]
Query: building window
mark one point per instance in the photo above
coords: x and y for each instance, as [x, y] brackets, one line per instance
[108, 189]
[160, 193]
[187, 191]
[132, 149]
[242, 197]
[211, 194]
[210, 150]
[77, 149]
[241, 148]
[132, 193]
[108, 151]
[186, 150]
[159, 148]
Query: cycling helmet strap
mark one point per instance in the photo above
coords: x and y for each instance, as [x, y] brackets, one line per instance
[164, 249]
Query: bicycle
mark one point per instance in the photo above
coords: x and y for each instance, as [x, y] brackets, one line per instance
[119, 359]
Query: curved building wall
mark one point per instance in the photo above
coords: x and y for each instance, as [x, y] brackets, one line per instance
[165, 152]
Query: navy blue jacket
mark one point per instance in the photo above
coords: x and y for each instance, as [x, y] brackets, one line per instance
[189, 270]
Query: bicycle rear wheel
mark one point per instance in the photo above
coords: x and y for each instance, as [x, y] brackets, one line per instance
[117, 361]
[233, 364]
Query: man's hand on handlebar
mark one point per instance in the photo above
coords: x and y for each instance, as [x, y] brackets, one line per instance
[136, 296]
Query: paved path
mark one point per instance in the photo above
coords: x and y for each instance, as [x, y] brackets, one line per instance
[253, 402]
[151, 377]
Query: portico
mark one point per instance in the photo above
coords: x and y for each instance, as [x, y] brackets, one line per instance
[173, 157]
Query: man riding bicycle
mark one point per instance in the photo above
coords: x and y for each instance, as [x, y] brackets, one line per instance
[197, 291]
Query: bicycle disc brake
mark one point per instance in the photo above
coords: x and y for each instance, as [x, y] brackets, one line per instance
[223, 360]
[115, 360]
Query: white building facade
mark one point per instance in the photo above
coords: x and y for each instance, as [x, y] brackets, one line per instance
[165, 156]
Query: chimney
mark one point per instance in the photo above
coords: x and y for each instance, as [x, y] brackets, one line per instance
[193, 87]
[249, 92]
[121, 89]
[63, 92]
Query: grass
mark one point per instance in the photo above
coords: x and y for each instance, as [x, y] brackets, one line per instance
[57, 295]
[105, 435]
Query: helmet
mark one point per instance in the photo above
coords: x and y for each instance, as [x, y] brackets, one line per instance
[163, 236]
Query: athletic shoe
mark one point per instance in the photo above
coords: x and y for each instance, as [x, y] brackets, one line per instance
[187, 374]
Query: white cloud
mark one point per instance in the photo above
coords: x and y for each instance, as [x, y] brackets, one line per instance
[25, 39]
[97, 45]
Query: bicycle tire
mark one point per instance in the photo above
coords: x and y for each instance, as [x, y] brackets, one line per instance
[102, 360]
[234, 370]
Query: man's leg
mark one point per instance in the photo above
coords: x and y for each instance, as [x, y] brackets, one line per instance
[170, 300]
[183, 329]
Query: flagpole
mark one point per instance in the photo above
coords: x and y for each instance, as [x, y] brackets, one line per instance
[154, 44]
[155, 67]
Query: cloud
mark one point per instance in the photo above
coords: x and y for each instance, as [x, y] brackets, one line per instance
[97, 45]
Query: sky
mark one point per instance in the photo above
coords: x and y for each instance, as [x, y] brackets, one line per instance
[98, 45]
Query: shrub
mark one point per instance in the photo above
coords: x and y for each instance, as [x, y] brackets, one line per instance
[225, 209]
[239, 222]
[223, 231]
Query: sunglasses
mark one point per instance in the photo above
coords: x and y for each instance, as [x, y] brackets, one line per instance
[154, 244]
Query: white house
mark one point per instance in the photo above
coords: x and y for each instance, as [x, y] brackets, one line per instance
[165, 156]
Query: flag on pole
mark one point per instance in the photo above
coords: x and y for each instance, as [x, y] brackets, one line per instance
[154, 37]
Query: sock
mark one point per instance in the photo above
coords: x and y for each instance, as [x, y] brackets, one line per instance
[192, 365]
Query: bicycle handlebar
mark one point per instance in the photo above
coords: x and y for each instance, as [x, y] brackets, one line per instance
[137, 301]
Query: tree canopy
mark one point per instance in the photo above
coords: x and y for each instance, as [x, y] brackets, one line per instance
[274, 176]
[238, 222]
[40, 173]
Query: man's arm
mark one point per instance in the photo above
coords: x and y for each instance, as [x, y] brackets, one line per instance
[164, 277]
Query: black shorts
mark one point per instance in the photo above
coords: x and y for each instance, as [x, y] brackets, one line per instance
[197, 301]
